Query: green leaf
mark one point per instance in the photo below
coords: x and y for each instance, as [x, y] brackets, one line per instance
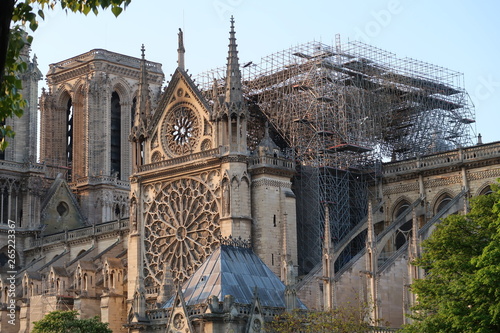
[41, 14]
[33, 25]
[116, 11]
[86, 9]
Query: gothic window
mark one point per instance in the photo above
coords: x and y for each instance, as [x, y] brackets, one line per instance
[485, 191]
[2, 152]
[234, 129]
[115, 134]
[403, 232]
[69, 135]
[112, 279]
[132, 112]
[401, 207]
[441, 202]
[117, 211]
[5, 206]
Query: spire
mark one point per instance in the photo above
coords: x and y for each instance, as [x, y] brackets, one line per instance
[180, 50]
[233, 74]
[143, 99]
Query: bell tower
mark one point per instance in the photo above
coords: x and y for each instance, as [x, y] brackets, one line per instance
[86, 118]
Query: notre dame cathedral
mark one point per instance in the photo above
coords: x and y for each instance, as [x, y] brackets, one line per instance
[216, 205]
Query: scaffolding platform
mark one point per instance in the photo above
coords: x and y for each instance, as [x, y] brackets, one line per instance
[342, 109]
[348, 147]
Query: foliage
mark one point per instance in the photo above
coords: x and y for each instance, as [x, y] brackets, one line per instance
[12, 102]
[461, 290]
[15, 15]
[339, 320]
[67, 322]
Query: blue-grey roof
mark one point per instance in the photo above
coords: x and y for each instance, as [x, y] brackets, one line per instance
[235, 271]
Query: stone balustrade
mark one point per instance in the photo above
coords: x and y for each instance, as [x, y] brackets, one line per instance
[457, 156]
[183, 159]
[105, 55]
[80, 233]
[271, 161]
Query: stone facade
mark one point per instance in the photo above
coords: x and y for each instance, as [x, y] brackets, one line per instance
[138, 187]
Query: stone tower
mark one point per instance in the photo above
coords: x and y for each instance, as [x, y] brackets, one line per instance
[86, 117]
[230, 117]
[23, 147]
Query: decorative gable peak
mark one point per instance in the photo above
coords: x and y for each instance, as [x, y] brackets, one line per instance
[178, 320]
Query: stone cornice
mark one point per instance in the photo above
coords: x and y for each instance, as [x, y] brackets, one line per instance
[107, 66]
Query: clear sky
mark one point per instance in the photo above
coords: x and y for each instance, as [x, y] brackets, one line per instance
[461, 35]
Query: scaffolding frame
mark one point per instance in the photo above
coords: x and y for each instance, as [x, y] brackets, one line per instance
[343, 109]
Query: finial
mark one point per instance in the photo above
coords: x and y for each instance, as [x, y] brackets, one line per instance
[232, 22]
[479, 139]
[143, 50]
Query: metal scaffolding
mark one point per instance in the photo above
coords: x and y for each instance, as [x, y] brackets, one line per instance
[343, 109]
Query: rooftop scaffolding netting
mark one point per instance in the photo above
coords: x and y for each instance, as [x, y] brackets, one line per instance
[344, 108]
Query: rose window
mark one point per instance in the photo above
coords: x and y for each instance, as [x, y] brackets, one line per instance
[180, 130]
[182, 229]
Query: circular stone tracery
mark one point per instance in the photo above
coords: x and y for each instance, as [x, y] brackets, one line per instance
[182, 228]
[181, 130]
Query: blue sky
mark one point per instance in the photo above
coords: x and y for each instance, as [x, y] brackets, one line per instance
[460, 35]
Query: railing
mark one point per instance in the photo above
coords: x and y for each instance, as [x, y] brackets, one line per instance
[80, 233]
[100, 180]
[383, 329]
[448, 158]
[273, 161]
[21, 166]
[104, 54]
[157, 314]
[152, 291]
[183, 159]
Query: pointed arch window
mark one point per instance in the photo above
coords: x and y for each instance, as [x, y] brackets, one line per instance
[115, 134]
[2, 152]
[69, 135]
[132, 112]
